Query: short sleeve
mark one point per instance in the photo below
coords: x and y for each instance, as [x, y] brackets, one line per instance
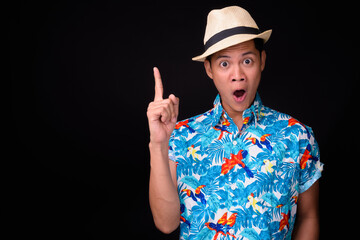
[309, 159]
[172, 155]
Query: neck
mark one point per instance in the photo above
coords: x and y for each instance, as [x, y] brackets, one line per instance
[239, 122]
[235, 116]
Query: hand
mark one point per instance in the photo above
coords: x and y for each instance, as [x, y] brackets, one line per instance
[162, 113]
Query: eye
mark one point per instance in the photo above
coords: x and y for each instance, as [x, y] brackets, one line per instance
[224, 64]
[247, 61]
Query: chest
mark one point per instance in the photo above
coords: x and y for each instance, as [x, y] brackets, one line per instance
[256, 168]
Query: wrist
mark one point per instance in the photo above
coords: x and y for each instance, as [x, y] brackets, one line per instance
[156, 148]
[159, 155]
[158, 145]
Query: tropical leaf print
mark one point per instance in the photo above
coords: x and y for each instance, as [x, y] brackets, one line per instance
[242, 184]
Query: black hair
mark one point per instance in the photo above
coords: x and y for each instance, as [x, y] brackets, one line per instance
[259, 45]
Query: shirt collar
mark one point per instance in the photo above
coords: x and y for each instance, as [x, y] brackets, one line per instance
[251, 114]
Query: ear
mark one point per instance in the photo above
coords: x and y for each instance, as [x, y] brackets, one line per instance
[263, 60]
[208, 69]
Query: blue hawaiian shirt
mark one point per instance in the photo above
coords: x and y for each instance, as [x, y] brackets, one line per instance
[242, 184]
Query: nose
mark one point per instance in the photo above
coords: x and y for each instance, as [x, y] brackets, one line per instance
[238, 74]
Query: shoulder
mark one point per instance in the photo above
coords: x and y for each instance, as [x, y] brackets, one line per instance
[194, 125]
[191, 129]
[282, 122]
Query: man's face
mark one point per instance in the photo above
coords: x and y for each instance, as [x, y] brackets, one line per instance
[236, 72]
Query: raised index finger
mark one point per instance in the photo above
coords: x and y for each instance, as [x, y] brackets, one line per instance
[158, 85]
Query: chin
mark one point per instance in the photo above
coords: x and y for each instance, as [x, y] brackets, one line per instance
[240, 109]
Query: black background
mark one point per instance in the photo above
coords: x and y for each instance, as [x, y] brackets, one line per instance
[82, 78]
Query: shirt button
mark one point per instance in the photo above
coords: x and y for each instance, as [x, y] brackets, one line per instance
[234, 142]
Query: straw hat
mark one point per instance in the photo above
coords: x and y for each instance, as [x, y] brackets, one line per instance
[227, 27]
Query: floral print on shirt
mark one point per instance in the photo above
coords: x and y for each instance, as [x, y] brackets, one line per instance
[242, 184]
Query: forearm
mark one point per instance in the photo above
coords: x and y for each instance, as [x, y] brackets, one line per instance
[307, 219]
[306, 228]
[164, 199]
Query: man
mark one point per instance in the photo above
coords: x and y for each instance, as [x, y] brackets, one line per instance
[240, 170]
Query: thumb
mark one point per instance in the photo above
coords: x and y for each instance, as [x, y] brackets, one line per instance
[175, 101]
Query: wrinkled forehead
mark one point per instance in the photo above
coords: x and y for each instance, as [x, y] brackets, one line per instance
[238, 49]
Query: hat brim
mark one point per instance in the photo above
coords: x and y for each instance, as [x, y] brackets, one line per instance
[231, 41]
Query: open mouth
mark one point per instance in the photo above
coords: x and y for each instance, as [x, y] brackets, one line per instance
[239, 95]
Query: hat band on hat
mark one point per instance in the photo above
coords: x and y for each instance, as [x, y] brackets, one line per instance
[229, 32]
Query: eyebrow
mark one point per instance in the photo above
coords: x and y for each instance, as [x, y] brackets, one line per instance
[247, 53]
[222, 56]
